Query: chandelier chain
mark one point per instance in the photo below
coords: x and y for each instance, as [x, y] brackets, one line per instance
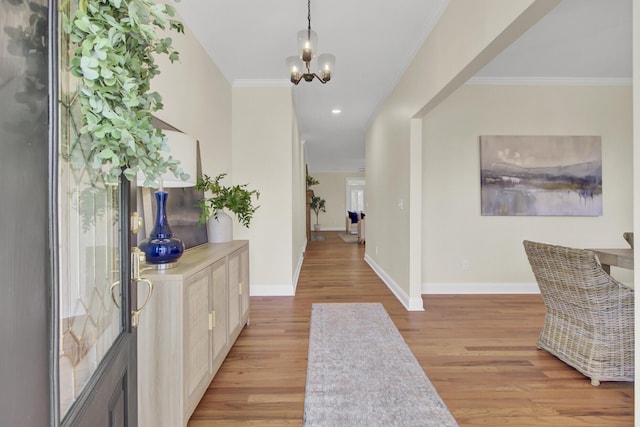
[309, 13]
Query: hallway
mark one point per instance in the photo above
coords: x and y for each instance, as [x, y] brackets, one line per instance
[478, 350]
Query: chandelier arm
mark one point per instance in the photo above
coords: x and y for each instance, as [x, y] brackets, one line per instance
[323, 81]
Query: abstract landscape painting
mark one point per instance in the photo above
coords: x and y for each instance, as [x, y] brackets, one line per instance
[541, 175]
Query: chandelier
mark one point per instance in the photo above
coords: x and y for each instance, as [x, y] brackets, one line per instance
[300, 66]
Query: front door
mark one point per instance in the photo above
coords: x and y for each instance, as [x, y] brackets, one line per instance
[95, 342]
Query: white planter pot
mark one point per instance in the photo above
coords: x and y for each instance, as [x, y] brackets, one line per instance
[316, 227]
[220, 230]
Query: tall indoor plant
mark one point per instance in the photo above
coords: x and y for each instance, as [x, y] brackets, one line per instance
[237, 199]
[317, 205]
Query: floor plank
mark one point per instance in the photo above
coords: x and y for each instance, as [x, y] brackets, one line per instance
[478, 350]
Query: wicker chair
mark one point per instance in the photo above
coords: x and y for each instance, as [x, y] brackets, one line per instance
[589, 319]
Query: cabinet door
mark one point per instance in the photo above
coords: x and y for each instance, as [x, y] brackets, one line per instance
[244, 283]
[238, 269]
[219, 313]
[235, 292]
[197, 335]
[233, 266]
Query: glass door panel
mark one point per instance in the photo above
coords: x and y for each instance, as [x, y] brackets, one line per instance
[88, 245]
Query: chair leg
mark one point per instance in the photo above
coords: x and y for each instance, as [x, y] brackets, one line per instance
[595, 382]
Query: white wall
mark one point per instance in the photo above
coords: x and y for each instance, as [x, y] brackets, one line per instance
[197, 100]
[251, 134]
[332, 188]
[467, 36]
[453, 229]
[299, 189]
[263, 155]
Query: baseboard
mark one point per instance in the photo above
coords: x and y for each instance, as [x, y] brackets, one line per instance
[480, 288]
[411, 304]
[272, 291]
[323, 228]
[296, 275]
[281, 290]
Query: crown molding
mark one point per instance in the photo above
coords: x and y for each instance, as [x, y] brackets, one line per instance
[549, 81]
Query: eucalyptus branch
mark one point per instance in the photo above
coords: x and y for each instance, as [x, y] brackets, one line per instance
[115, 45]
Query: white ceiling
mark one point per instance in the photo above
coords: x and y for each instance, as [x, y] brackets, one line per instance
[375, 40]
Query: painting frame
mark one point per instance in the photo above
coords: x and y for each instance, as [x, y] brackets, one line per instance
[541, 175]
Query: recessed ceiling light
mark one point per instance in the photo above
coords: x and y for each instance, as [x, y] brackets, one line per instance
[336, 111]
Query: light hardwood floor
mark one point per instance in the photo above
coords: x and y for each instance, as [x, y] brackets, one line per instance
[478, 350]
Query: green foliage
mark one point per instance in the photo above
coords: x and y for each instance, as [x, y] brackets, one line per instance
[238, 199]
[311, 181]
[115, 43]
[317, 205]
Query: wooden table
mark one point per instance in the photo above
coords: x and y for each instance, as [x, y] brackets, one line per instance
[616, 257]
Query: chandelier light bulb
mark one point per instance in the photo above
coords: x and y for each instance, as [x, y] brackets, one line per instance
[296, 67]
[326, 62]
[307, 44]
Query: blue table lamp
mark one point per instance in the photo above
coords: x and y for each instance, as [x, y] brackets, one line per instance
[162, 249]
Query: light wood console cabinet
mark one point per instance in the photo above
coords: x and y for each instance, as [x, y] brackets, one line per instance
[195, 314]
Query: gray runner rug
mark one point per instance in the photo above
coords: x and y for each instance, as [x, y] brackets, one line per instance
[362, 373]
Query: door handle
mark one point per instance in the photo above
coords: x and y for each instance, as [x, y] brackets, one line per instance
[137, 257]
[136, 222]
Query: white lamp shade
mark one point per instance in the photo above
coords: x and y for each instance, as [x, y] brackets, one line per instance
[307, 44]
[183, 148]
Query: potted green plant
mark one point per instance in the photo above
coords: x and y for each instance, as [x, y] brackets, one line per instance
[317, 205]
[237, 199]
